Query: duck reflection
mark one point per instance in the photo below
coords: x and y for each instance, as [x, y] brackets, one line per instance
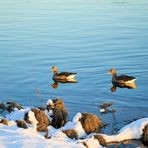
[122, 85]
[56, 83]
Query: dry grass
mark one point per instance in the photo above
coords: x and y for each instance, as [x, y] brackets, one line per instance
[60, 114]
[42, 119]
[12, 105]
[71, 133]
[91, 123]
[59, 118]
[101, 140]
[21, 124]
[145, 135]
[4, 121]
[85, 144]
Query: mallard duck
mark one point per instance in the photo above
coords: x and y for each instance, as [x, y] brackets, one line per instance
[122, 78]
[63, 76]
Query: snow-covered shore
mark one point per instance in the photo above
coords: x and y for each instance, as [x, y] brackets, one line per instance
[13, 136]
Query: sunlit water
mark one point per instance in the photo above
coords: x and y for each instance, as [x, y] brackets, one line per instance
[88, 37]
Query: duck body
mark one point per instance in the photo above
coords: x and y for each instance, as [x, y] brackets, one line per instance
[63, 76]
[122, 78]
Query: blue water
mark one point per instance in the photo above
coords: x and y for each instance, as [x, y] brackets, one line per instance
[88, 37]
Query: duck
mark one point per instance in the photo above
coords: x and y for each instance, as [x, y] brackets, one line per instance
[62, 76]
[122, 78]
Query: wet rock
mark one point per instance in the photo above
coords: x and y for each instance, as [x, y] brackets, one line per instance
[91, 123]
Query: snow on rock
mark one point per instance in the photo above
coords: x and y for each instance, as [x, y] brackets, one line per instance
[50, 102]
[17, 114]
[91, 143]
[133, 130]
[77, 117]
[13, 137]
[76, 125]
[32, 118]
[49, 114]
[102, 110]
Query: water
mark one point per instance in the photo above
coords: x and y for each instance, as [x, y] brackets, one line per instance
[88, 37]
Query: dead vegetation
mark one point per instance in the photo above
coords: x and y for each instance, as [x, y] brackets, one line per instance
[9, 106]
[71, 133]
[144, 137]
[104, 108]
[101, 140]
[41, 117]
[60, 115]
[21, 124]
[91, 123]
[4, 121]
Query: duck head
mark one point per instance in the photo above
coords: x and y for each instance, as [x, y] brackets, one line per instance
[112, 71]
[54, 69]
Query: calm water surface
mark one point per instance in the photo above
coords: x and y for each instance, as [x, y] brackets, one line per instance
[88, 37]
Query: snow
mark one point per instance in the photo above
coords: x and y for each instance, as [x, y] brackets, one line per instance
[102, 110]
[17, 114]
[130, 131]
[76, 125]
[13, 137]
[49, 114]
[92, 143]
[50, 102]
[32, 118]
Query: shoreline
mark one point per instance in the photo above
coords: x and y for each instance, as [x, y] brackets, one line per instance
[18, 112]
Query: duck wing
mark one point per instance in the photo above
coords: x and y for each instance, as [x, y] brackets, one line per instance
[67, 74]
[125, 78]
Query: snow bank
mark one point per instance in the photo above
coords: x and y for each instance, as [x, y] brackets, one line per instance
[32, 118]
[17, 114]
[133, 130]
[14, 137]
[76, 125]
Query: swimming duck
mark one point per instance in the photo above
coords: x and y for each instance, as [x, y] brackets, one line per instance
[63, 76]
[122, 78]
